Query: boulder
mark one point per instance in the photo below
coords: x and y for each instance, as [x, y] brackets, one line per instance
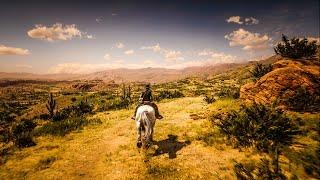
[283, 81]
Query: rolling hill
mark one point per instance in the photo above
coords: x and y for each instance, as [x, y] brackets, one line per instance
[128, 75]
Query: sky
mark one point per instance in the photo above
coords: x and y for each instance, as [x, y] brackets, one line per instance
[88, 36]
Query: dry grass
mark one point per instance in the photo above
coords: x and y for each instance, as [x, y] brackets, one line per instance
[108, 151]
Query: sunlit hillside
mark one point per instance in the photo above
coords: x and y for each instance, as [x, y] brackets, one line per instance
[157, 89]
[92, 135]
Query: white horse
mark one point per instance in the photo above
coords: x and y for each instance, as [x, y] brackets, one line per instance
[145, 121]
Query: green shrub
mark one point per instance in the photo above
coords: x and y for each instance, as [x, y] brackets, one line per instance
[166, 94]
[256, 125]
[199, 92]
[83, 107]
[22, 133]
[114, 104]
[303, 100]
[229, 92]
[209, 99]
[44, 116]
[6, 121]
[295, 48]
[80, 109]
[265, 128]
[64, 113]
[260, 70]
[73, 99]
[61, 128]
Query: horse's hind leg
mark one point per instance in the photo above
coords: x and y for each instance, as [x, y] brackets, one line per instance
[152, 129]
[148, 135]
[139, 142]
[151, 135]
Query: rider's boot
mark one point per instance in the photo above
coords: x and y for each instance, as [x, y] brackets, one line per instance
[158, 116]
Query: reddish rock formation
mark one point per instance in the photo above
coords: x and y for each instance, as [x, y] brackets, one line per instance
[283, 81]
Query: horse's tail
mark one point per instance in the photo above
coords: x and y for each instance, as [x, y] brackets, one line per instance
[146, 122]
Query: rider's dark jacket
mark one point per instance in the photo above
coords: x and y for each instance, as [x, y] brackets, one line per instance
[146, 95]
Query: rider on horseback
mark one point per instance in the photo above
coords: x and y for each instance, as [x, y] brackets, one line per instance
[146, 99]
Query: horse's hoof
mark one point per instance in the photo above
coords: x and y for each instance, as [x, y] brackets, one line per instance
[139, 144]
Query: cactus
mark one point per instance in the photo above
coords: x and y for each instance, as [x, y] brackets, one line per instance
[124, 92]
[51, 105]
[126, 95]
[129, 93]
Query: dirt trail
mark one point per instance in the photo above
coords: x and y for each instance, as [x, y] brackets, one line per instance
[108, 151]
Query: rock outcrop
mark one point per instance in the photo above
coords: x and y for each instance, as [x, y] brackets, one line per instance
[283, 81]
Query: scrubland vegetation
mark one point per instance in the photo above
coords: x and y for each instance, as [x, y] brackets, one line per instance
[83, 129]
[296, 48]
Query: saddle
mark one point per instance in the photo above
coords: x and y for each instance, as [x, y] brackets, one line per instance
[153, 105]
[141, 101]
[147, 103]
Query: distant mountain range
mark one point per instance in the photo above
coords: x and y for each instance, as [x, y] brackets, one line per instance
[131, 75]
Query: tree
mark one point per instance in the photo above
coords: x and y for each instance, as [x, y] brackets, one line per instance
[266, 128]
[296, 48]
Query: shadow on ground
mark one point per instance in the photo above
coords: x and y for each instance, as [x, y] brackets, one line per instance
[170, 146]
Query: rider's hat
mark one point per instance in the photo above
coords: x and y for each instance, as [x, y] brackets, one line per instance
[148, 86]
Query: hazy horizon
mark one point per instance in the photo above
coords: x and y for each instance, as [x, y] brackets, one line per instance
[44, 37]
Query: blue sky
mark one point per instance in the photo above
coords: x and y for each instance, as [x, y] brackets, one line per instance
[87, 36]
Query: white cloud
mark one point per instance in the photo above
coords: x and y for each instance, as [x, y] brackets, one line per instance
[155, 48]
[173, 56]
[214, 57]
[251, 20]
[107, 56]
[120, 45]
[234, 19]
[169, 55]
[205, 52]
[247, 20]
[249, 41]
[222, 58]
[128, 52]
[57, 32]
[5, 50]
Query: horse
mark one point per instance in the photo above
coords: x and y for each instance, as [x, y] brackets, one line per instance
[145, 121]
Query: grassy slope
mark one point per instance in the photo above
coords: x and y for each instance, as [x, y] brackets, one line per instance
[108, 150]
